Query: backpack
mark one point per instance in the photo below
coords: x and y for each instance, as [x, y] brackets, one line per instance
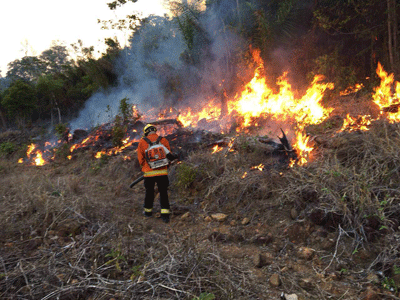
[156, 153]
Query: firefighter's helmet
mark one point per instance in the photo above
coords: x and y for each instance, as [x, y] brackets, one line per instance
[148, 128]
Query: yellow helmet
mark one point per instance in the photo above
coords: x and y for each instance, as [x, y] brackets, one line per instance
[148, 128]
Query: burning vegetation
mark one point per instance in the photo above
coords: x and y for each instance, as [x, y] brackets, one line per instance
[255, 109]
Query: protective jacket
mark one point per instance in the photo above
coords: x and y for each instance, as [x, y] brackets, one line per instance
[143, 145]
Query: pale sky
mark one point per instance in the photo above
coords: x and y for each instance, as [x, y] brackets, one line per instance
[37, 23]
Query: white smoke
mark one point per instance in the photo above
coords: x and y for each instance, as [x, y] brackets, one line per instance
[158, 47]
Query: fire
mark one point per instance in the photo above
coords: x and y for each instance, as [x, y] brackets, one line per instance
[211, 111]
[359, 123]
[352, 89]
[303, 148]
[260, 167]
[385, 97]
[34, 155]
[216, 149]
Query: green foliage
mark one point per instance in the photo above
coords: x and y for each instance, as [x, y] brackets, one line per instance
[124, 109]
[205, 296]
[63, 152]
[186, 175]
[389, 284]
[7, 148]
[335, 69]
[118, 132]
[61, 128]
[20, 99]
[116, 258]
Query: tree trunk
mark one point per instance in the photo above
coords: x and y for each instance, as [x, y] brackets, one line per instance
[392, 34]
[3, 119]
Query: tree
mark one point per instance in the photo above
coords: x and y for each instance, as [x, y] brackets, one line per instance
[356, 30]
[50, 90]
[28, 68]
[55, 59]
[20, 101]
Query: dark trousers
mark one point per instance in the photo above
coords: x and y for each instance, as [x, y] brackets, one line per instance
[162, 184]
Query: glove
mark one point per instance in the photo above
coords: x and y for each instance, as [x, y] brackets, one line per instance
[171, 156]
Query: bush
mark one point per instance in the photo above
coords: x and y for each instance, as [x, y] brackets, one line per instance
[7, 148]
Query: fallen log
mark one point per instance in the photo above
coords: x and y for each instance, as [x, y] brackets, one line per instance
[168, 122]
[394, 108]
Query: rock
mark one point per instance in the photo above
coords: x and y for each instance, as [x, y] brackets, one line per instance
[79, 134]
[219, 217]
[289, 297]
[306, 283]
[245, 221]
[305, 253]
[185, 216]
[260, 260]
[294, 213]
[275, 280]
[208, 219]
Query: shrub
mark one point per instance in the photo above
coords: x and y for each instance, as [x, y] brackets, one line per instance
[7, 148]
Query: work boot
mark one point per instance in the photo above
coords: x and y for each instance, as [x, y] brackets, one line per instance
[165, 218]
[147, 214]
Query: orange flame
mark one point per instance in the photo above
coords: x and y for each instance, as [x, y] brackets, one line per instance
[216, 149]
[359, 123]
[387, 98]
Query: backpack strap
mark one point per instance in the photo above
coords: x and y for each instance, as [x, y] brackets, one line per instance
[148, 141]
[158, 140]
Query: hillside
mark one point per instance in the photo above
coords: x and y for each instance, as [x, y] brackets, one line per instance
[72, 229]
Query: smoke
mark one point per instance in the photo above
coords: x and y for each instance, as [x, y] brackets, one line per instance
[158, 70]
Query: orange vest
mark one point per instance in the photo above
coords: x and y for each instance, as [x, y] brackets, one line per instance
[142, 147]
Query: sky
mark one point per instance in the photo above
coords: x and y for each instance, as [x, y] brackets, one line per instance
[28, 27]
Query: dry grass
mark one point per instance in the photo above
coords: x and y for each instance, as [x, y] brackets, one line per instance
[71, 229]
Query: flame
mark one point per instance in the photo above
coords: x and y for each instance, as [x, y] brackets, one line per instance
[216, 149]
[260, 167]
[359, 123]
[244, 175]
[34, 155]
[303, 149]
[385, 97]
[352, 89]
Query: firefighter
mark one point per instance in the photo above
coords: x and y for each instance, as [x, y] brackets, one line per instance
[154, 174]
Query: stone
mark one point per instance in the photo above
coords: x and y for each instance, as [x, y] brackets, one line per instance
[305, 253]
[290, 297]
[275, 280]
[208, 219]
[306, 283]
[245, 221]
[260, 260]
[294, 213]
[219, 217]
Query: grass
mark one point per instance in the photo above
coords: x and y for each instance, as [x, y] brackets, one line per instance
[72, 228]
